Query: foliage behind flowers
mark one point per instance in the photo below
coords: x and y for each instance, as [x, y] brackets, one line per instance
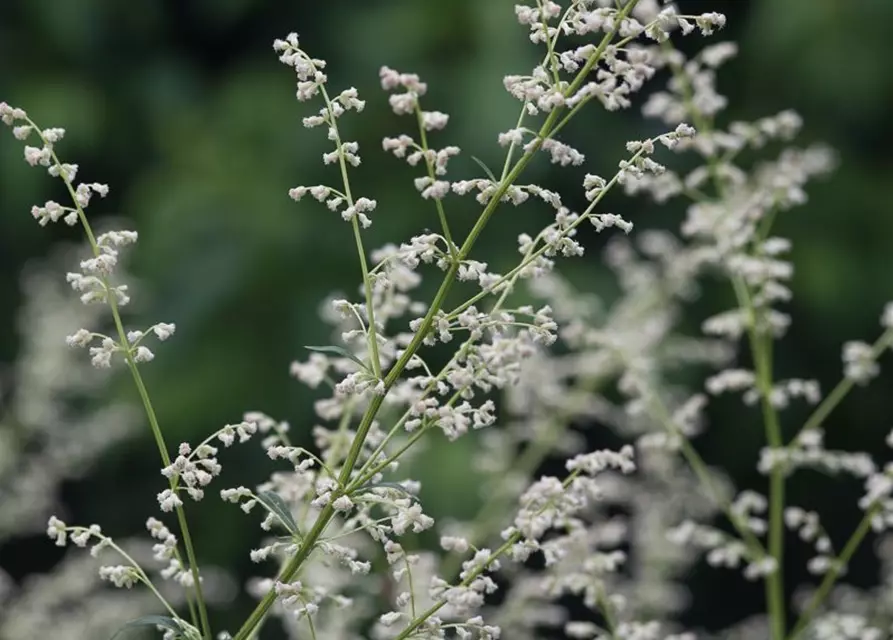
[528, 357]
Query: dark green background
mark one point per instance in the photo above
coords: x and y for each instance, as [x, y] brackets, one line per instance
[182, 108]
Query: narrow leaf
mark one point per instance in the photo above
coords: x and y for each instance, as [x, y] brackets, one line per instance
[486, 169]
[275, 503]
[166, 622]
[341, 351]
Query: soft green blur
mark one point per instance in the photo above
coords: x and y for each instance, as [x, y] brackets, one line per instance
[184, 110]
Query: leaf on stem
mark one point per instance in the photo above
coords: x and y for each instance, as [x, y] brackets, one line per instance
[154, 621]
[275, 503]
[341, 351]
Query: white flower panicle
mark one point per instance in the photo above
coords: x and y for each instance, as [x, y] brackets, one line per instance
[311, 84]
[94, 281]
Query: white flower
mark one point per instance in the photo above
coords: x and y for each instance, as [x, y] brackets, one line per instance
[411, 516]
[168, 500]
[887, 317]
[859, 362]
[164, 330]
[80, 338]
[56, 530]
[119, 575]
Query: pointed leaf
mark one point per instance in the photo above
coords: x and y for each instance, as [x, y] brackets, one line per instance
[341, 351]
[486, 169]
[275, 503]
[154, 621]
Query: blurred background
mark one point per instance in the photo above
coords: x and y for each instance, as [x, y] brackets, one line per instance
[183, 109]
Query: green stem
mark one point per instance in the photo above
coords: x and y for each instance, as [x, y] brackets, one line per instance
[141, 387]
[514, 538]
[440, 297]
[843, 387]
[761, 348]
[181, 513]
[831, 577]
[358, 239]
[369, 416]
[432, 174]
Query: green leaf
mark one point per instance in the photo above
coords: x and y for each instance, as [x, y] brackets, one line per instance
[275, 503]
[154, 621]
[341, 351]
[387, 485]
[486, 169]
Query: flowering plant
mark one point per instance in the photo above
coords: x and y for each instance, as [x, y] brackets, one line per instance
[528, 356]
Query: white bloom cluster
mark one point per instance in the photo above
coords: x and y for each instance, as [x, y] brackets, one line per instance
[809, 529]
[195, 468]
[311, 83]
[859, 362]
[781, 394]
[122, 576]
[722, 550]
[166, 550]
[94, 279]
[431, 185]
[808, 451]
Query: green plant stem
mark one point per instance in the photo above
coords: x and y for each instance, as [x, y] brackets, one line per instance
[181, 513]
[821, 413]
[358, 240]
[761, 347]
[393, 375]
[696, 462]
[141, 388]
[472, 576]
[438, 202]
[350, 461]
[830, 578]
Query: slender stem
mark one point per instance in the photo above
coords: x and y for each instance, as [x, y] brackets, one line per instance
[432, 174]
[358, 239]
[350, 461]
[473, 575]
[310, 623]
[550, 45]
[367, 287]
[141, 387]
[437, 606]
[843, 387]
[181, 513]
[696, 462]
[440, 297]
[761, 347]
[367, 473]
[831, 577]
[288, 572]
